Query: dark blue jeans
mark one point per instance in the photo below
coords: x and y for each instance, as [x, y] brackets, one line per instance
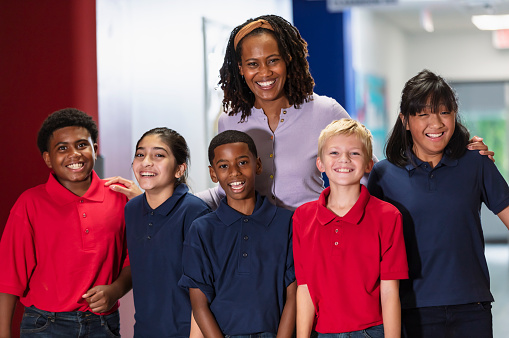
[370, 332]
[466, 320]
[43, 324]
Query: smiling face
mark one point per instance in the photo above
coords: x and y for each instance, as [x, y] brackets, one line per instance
[235, 167]
[431, 132]
[155, 167]
[264, 69]
[344, 160]
[72, 154]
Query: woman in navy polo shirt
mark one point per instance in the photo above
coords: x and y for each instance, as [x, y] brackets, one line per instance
[156, 224]
[438, 185]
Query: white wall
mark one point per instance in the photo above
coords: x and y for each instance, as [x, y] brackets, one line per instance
[151, 74]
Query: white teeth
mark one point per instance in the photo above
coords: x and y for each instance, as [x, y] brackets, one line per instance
[435, 135]
[343, 170]
[236, 183]
[147, 174]
[75, 165]
[266, 83]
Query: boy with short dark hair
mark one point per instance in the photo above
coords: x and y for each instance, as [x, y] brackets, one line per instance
[238, 261]
[63, 251]
[348, 246]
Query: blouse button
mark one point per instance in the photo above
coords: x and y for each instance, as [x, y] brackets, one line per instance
[271, 155]
[84, 215]
[335, 243]
[244, 254]
[282, 120]
[246, 238]
[82, 201]
[272, 137]
[246, 220]
[150, 224]
[148, 237]
[284, 111]
[152, 213]
[337, 230]
[86, 231]
[271, 176]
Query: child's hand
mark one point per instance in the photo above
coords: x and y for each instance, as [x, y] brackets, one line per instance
[476, 143]
[131, 190]
[101, 298]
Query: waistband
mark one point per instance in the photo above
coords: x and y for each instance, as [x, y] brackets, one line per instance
[75, 316]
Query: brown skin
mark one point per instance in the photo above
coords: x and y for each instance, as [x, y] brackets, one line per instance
[7, 307]
[101, 298]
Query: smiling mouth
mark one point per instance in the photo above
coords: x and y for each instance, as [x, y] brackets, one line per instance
[75, 166]
[343, 170]
[435, 135]
[237, 186]
[266, 83]
[145, 174]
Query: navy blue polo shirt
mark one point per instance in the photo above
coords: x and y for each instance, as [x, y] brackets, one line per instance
[154, 240]
[243, 265]
[441, 224]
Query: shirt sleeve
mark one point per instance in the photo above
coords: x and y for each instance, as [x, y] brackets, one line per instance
[495, 192]
[297, 254]
[196, 265]
[394, 261]
[17, 252]
[290, 269]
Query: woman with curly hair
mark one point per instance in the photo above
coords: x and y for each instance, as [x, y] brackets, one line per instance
[268, 93]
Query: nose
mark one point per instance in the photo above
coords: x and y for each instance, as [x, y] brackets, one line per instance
[265, 70]
[147, 161]
[436, 120]
[234, 170]
[344, 157]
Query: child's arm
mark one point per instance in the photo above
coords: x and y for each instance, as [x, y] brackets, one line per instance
[287, 322]
[7, 307]
[305, 312]
[101, 298]
[204, 317]
[391, 308]
[195, 329]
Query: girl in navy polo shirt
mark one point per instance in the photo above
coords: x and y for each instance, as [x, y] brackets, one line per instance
[156, 225]
[438, 186]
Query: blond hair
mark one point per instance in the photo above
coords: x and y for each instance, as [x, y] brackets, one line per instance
[347, 127]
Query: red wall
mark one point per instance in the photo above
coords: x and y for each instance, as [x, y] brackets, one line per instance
[47, 62]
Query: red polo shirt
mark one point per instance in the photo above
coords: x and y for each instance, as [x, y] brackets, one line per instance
[57, 245]
[342, 259]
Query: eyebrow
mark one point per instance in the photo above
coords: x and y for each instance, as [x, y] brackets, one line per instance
[66, 142]
[237, 158]
[154, 148]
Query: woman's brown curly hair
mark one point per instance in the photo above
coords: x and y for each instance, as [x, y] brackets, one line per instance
[293, 49]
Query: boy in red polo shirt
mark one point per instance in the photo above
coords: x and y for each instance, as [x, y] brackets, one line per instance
[348, 246]
[63, 251]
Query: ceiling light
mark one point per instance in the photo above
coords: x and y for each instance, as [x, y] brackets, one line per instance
[491, 22]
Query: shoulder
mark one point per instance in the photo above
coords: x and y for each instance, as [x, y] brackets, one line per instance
[135, 203]
[306, 210]
[30, 196]
[326, 106]
[382, 208]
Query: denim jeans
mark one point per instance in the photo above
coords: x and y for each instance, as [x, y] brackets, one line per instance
[43, 324]
[370, 332]
[256, 335]
[466, 320]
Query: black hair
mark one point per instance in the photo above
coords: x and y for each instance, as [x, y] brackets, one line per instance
[414, 97]
[293, 49]
[177, 145]
[68, 117]
[231, 136]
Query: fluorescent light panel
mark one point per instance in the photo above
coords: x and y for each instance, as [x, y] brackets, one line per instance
[491, 22]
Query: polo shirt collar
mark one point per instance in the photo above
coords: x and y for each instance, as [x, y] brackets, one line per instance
[263, 212]
[61, 195]
[168, 205]
[416, 162]
[353, 216]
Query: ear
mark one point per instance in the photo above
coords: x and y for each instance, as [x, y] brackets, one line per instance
[369, 166]
[320, 165]
[259, 166]
[180, 170]
[402, 118]
[240, 68]
[95, 151]
[47, 159]
[212, 174]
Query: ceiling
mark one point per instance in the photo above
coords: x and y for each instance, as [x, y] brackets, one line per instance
[447, 15]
